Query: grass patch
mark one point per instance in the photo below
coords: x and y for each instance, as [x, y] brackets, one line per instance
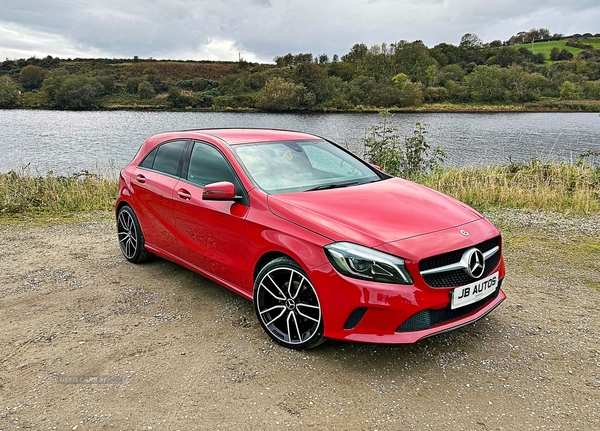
[546, 47]
[537, 185]
[548, 186]
[23, 194]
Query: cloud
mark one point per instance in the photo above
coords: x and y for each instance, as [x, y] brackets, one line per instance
[263, 29]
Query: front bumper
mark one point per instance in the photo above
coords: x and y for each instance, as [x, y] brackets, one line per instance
[356, 310]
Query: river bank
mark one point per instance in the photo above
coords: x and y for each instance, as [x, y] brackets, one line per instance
[569, 188]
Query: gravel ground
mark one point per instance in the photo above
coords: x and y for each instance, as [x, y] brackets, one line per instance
[90, 341]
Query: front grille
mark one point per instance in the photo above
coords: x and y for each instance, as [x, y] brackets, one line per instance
[428, 318]
[458, 277]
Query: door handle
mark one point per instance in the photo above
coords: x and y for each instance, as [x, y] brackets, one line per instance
[184, 194]
[140, 178]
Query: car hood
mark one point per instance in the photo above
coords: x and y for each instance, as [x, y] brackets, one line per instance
[373, 214]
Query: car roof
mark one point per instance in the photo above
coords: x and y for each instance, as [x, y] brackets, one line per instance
[244, 135]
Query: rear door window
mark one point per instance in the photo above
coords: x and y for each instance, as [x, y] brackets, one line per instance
[165, 158]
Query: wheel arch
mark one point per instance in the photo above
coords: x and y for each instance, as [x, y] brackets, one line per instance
[266, 258]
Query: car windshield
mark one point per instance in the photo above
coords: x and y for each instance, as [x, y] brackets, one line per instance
[291, 166]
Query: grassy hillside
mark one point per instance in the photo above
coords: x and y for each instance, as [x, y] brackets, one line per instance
[546, 47]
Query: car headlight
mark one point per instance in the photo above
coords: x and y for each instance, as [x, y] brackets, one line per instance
[358, 261]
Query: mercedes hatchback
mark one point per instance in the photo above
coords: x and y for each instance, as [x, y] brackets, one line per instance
[323, 243]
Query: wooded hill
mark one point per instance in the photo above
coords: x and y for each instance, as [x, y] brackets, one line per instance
[557, 73]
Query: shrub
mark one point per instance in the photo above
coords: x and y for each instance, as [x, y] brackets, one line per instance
[132, 85]
[177, 99]
[78, 92]
[31, 77]
[108, 83]
[411, 159]
[435, 94]
[9, 94]
[145, 90]
[568, 91]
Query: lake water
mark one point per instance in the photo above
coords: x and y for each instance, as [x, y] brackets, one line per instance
[69, 142]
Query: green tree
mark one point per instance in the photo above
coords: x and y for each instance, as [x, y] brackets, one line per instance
[451, 72]
[486, 83]
[9, 94]
[51, 86]
[31, 77]
[357, 53]
[410, 93]
[522, 86]
[314, 78]
[506, 56]
[78, 92]
[470, 41]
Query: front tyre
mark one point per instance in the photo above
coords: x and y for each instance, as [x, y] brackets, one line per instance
[131, 239]
[287, 305]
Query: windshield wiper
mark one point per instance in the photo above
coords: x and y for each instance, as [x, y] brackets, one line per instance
[333, 186]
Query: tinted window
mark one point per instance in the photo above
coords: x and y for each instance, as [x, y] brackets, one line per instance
[208, 165]
[149, 159]
[168, 156]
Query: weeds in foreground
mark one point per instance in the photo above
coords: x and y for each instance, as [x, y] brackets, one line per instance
[572, 188]
[536, 185]
[21, 193]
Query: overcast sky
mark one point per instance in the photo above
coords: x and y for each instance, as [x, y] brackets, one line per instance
[259, 30]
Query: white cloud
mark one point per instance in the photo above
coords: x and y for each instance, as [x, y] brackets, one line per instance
[17, 41]
[219, 49]
[263, 29]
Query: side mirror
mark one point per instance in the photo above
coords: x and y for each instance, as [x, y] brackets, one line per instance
[221, 191]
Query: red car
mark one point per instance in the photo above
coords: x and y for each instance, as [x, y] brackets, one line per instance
[323, 243]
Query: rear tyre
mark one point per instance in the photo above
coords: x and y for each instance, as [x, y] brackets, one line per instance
[287, 305]
[131, 239]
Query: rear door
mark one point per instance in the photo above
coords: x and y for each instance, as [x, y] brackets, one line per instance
[153, 183]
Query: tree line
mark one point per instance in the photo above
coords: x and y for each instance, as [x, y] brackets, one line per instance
[396, 75]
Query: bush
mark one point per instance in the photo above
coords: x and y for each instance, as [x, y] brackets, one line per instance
[577, 44]
[145, 90]
[412, 159]
[177, 99]
[237, 101]
[9, 94]
[132, 85]
[78, 92]
[108, 83]
[568, 91]
[434, 94]
[280, 95]
[31, 77]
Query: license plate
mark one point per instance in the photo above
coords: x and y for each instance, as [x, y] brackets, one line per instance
[475, 291]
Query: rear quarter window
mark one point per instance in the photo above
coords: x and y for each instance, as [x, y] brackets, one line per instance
[165, 158]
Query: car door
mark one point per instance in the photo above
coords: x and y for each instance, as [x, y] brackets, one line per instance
[153, 183]
[211, 233]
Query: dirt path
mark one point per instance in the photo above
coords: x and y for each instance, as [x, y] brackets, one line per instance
[180, 352]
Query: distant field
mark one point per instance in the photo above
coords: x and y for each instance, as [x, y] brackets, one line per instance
[546, 47]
